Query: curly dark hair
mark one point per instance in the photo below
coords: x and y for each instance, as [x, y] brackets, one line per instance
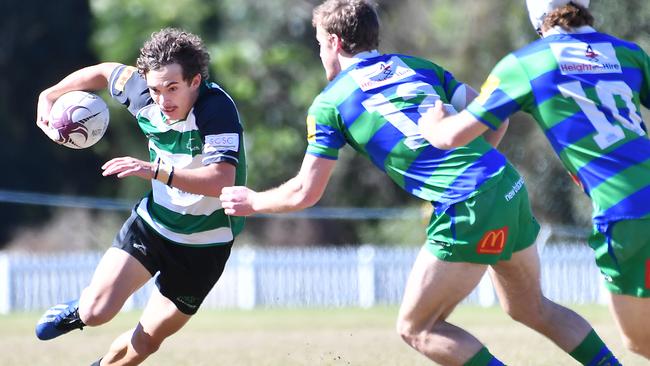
[355, 21]
[569, 16]
[174, 46]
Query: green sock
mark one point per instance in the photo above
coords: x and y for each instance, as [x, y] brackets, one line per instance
[593, 351]
[483, 358]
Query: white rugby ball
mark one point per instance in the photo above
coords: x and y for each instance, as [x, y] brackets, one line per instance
[78, 119]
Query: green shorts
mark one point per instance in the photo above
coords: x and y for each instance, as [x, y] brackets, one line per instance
[486, 228]
[623, 256]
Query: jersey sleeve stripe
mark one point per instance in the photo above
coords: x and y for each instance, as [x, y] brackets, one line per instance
[335, 138]
[213, 159]
[483, 116]
[507, 105]
[322, 154]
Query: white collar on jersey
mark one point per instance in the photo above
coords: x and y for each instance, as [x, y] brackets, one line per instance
[349, 61]
[559, 30]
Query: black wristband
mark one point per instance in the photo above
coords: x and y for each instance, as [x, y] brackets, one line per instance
[171, 176]
[155, 174]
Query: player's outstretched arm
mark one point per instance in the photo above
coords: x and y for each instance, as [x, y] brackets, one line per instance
[300, 192]
[447, 132]
[89, 78]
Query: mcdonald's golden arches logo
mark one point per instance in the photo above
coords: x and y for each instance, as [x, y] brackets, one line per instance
[493, 241]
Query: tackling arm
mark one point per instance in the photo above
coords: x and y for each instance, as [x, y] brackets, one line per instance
[448, 132]
[300, 192]
[462, 98]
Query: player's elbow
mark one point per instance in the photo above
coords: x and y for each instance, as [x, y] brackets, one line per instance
[304, 195]
[313, 199]
[307, 198]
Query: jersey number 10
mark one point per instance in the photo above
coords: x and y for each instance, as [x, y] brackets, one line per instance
[607, 133]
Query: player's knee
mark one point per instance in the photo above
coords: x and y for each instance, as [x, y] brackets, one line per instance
[529, 317]
[517, 314]
[530, 313]
[93, 315]
[410, 331]
[404, 329]
[144, 344]
[94, 312]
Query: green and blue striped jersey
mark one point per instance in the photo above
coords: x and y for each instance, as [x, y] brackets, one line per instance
[374, 106]
[584, 89]
[211, 133]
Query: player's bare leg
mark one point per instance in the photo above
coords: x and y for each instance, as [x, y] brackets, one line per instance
[117, 276]
[159, 320]
[517, 283]
[632, 316]
[432, 291]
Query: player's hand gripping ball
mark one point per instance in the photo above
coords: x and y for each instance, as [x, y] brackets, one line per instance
[78, 119]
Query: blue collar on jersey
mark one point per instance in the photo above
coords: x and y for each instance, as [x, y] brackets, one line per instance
[358, 58]
[559, 30]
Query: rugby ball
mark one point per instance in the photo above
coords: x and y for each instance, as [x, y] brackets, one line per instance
[78, 119]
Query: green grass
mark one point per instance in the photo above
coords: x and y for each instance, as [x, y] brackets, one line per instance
[288, 337]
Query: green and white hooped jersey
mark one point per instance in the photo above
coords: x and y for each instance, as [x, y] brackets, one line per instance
[212, 133]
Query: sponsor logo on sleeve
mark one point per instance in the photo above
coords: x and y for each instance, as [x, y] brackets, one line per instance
[224, 141]
[311, 128]
[125, 75]
[381, 73]
[493, 241]
[585, 58]
[489, 86]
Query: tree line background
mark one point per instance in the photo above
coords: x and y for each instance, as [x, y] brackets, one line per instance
[265, 55]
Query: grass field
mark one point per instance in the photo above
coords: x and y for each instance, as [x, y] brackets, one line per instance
[284, 337]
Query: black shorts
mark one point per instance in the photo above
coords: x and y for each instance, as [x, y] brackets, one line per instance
[186, 273]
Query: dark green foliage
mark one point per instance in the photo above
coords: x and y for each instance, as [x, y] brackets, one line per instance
[40, 43]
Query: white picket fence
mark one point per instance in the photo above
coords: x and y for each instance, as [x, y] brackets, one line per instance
[315, 277]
